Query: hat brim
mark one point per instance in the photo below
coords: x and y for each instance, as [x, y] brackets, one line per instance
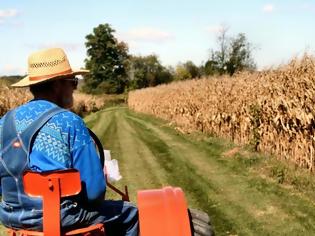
[26, 82]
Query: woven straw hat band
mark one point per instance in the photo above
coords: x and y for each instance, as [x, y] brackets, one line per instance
[47, 64]
[41, 66]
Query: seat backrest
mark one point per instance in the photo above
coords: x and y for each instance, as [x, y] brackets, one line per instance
[51, 186]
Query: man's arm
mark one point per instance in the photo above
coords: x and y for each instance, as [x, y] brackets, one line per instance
[87, 162]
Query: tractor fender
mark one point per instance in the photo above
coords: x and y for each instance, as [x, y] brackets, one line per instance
[163, 212]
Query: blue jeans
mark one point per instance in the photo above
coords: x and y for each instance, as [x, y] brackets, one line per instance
[120, 218]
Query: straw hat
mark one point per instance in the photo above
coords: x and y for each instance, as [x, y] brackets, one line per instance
[46, 65]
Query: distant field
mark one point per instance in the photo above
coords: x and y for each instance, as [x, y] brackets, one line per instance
[83, 103]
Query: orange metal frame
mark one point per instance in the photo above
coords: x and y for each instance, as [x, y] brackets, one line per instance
[162, 212]
[51, 186]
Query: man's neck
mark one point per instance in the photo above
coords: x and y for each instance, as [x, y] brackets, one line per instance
[47, 98]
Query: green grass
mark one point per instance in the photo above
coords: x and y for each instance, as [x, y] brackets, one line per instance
[244, 192]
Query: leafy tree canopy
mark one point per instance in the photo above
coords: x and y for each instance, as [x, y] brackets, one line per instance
[233, 54]
[147, 71]
[187, 70]
[240, 55]
[107, 61]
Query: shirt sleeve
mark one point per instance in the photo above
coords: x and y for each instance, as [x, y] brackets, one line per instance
[1, 121]
[86, 160]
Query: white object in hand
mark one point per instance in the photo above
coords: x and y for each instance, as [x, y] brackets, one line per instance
[111, 167]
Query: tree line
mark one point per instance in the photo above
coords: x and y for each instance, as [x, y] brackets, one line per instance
[114, 70]
[8, 80]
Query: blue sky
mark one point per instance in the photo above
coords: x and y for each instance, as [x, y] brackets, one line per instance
[176, 31]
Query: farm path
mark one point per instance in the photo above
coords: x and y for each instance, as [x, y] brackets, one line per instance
[152, 154]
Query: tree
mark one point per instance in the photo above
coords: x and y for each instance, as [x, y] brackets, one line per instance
[221, 56]
[107, 61]
[234, 54]
[182, 73]
[211, 67]
[193, 69]
[8, 80]
[147, 71]
[240, 55]
[187, 70]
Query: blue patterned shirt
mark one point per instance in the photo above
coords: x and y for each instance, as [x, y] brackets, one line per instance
[63, 142]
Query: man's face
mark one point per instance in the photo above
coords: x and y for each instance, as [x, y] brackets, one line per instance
[65, 87]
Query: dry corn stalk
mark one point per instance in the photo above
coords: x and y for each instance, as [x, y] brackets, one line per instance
[273, 109]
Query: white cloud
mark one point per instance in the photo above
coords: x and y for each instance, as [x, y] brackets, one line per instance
[134, 46]
[66, 46]
[146, 34]
[8, 13]
[268, 8]
[17, 24]
[12, 70]
[215, 28]
[4, 14]
[308, 7]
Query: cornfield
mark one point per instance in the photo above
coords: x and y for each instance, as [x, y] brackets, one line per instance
[10, 98]
[83, 103]
[272, 109]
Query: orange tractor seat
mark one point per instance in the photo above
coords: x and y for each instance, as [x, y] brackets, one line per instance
[51, 186]
[162, 212]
